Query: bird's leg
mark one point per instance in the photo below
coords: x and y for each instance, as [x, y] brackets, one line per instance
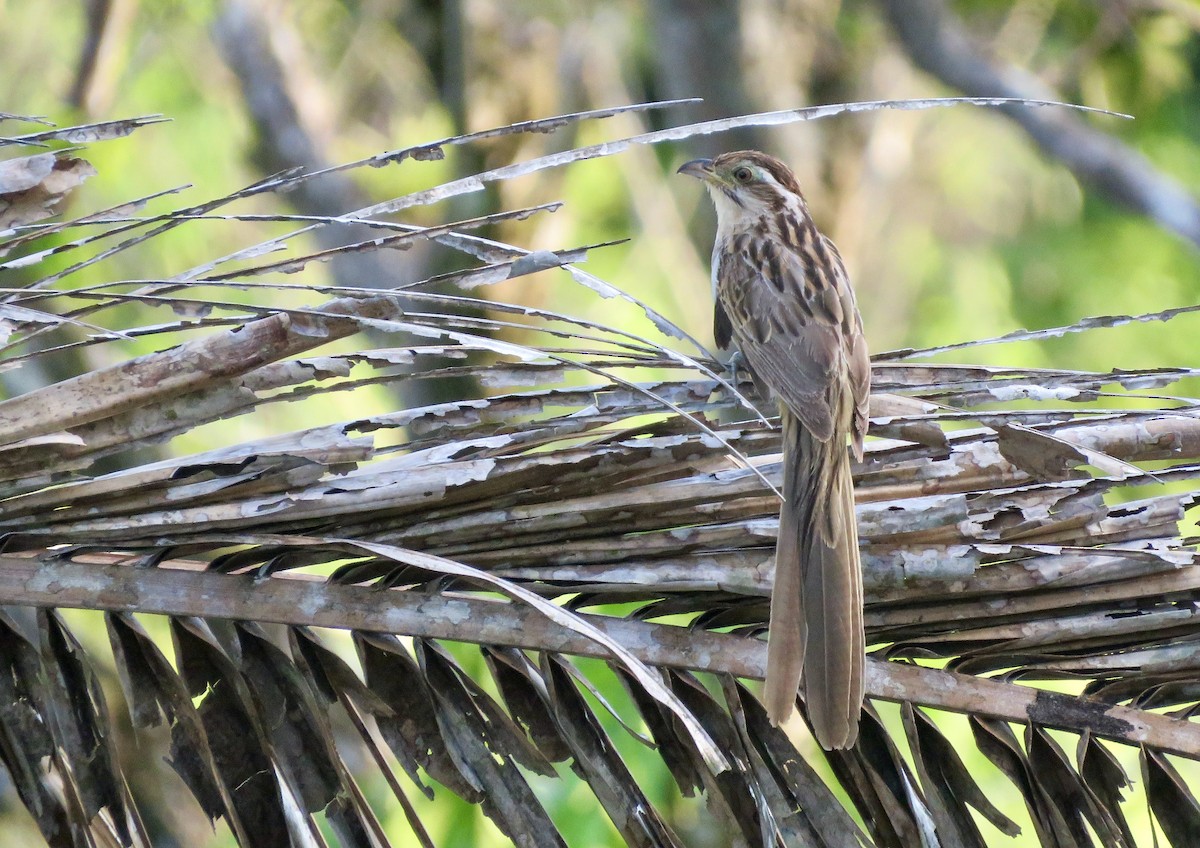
[732, 366]
[737, 365]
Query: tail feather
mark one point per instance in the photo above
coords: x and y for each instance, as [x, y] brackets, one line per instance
[788, 631]
[816, 627]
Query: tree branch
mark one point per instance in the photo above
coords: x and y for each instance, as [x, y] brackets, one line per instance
[939, 44]
[298, 600]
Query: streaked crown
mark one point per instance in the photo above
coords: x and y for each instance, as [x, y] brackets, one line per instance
[755, 171]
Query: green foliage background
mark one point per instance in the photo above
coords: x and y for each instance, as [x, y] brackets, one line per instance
[952, 224]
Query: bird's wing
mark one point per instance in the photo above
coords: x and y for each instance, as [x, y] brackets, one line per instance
[858, 360]
[800, 335]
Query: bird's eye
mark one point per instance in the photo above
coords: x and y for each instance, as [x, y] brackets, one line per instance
[743, 174]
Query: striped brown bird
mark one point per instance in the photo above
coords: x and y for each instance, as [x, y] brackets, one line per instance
[784, 300]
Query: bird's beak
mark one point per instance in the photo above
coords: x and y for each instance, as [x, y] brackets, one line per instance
[701, 169]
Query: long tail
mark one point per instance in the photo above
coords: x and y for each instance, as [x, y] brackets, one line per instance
[816, 605]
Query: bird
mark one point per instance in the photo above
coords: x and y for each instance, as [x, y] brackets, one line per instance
[783, 300]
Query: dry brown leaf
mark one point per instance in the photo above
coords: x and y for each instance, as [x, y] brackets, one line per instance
[32, 186]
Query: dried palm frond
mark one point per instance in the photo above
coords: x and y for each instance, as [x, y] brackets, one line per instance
[1017, 524]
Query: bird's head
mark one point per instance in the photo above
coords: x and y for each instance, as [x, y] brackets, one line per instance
[745, 185]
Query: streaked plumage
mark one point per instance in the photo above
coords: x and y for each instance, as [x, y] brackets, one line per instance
[784, 300]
